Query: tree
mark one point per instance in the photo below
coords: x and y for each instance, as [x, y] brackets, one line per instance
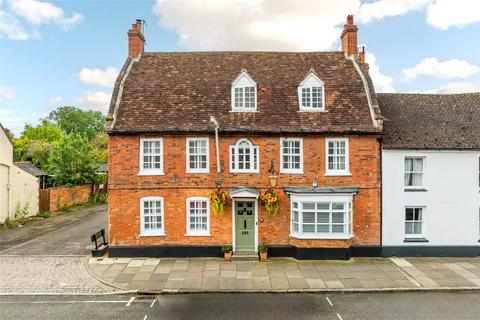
[100, 146]
[73, 120]
[73, 161]
[9, 134]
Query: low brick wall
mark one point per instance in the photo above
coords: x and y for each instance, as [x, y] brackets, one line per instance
[67, 196]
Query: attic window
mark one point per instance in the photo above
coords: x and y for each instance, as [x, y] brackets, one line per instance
[311, 94]
[244, 93]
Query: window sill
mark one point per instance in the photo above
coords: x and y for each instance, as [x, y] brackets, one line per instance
[315, 237]
[156, 234]
[243, 111]
[197, 235]
[151, 173]
[190, 171]
[312, 110]
[234, 171]
[420, 239]
[415, 190]
[291, 172]
[338, 174]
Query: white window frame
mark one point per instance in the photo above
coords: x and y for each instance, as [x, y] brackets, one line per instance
[311, 81]
[346, 171]
[150, 172]
[187, 152]
[252, 159]
[282, 144]
[410, 236]
[197, 232]
[237, 84]
[348, 216]
[424, 162]
[157, 232]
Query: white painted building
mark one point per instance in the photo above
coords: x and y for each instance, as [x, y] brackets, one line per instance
[18, 188]
[431, 175]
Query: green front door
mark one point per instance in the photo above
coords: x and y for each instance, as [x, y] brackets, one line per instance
[245, 226]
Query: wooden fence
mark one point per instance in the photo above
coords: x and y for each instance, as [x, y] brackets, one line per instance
[44, 200]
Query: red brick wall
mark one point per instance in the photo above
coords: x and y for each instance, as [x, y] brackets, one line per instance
[69, 196]
[126, 188]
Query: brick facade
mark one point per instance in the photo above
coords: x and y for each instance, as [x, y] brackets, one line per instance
[126, 188]
[68, 196]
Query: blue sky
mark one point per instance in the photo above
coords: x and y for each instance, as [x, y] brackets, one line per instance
[57, 53]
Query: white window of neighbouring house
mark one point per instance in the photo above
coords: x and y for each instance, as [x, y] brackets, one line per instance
[311, 93]
[244, 93]
[244, 157]
[321, 217]
[151, 216]
[291, 155]
[197, 155]
[337, 157]
[414, 218]
[151, 156]
[198, 216]
[414, 172]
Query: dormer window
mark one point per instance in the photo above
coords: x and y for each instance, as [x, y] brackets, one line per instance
[311, 93]
[244, 93]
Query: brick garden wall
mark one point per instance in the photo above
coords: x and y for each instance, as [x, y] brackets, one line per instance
[126, 188]
[69, 195]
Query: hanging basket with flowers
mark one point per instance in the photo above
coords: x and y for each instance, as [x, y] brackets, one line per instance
[270, 201]
[219, 200]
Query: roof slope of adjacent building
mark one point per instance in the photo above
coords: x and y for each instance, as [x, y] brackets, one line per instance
[30, 168]
[431, 121]
[178, 92]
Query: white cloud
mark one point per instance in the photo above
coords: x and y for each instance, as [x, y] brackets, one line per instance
[35, 12]
[453, 68]
[256, 24]
[11, 27]
[70, 22]
[99, 77]
[457, 87]
[7, 92]
[11, 121]
[388, 8]
[53, 103]
[95, 100]
[381, 82]
[443, 14]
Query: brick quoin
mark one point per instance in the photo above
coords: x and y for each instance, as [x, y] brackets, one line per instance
[126, 188]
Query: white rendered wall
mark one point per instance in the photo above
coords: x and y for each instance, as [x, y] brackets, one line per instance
[452, 199]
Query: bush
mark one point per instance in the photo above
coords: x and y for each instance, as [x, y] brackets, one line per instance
[45, 214]
[98, 198]
[11, 223]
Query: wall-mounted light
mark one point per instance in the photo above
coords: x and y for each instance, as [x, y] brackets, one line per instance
[273, 181]
[315, 182]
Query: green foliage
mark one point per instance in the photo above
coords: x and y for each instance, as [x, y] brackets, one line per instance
[45, 214]
[9, 134]
[100, 145]
[73, 120]
[226, 248]
[98, 198]
[73, 161]
[20, 211]
[57, 202]
[11, 223]
[264, 246]
[45, 131]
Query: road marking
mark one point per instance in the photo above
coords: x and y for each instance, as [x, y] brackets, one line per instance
[145, 318]
[339, 317]
[130, 301]
[330, 302]
[153, 302]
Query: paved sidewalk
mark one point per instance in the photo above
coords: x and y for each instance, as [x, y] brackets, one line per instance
[204, 275]
[46, 275]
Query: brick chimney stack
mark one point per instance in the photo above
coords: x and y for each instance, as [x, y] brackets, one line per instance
[136, 40]
[349, 38]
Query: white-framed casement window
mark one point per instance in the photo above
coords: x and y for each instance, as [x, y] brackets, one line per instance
[414, 172]
[291, 155]
[337, 157]
[151, 156]
[244, 157]
[244, 93]
[311, 93]
[321, 217]
[414, 222]
[198, 216]
[197, 155]
[152, 216]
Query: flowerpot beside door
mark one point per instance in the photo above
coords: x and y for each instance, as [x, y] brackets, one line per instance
[227, 252]
[263, 256]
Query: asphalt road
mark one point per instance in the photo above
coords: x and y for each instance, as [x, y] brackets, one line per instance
[384, 306]
[65, 234]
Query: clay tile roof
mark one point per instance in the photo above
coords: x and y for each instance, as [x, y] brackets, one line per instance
[178, 92]
[431, 121]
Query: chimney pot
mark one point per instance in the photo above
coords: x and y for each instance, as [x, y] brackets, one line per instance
[349, 38]
[350, 19]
